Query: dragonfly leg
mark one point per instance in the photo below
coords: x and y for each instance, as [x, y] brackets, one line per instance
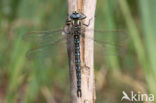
[66, 32]
[66, 29]
[88, 23]
[84, 16]
[68, 21]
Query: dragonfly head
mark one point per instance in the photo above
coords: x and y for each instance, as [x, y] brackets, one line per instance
[76, 18]
[76, 15]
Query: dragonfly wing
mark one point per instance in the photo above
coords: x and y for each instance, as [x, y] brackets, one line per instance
[110, 42]
[41, 37]
[110, 35]
[44, 42]
[47, 50]
[109, 49]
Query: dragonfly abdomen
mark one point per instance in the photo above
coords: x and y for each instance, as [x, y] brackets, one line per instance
[77, 63]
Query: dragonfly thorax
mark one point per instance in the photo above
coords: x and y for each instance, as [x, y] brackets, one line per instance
[76, 22]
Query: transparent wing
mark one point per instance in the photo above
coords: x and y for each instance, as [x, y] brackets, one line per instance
[108, 35]
[110, 42]
[47, 50]
[45, 43]
[41, 37]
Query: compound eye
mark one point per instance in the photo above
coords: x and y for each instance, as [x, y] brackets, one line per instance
[79, 15]
[72, 16]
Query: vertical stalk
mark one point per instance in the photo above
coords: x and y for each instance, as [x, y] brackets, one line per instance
[86, 7]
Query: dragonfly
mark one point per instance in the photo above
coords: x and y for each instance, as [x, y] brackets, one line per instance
[47, 41]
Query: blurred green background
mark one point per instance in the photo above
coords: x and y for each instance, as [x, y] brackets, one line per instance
[47, 81]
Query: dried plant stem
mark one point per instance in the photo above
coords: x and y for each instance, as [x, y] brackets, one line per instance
[86, 7]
